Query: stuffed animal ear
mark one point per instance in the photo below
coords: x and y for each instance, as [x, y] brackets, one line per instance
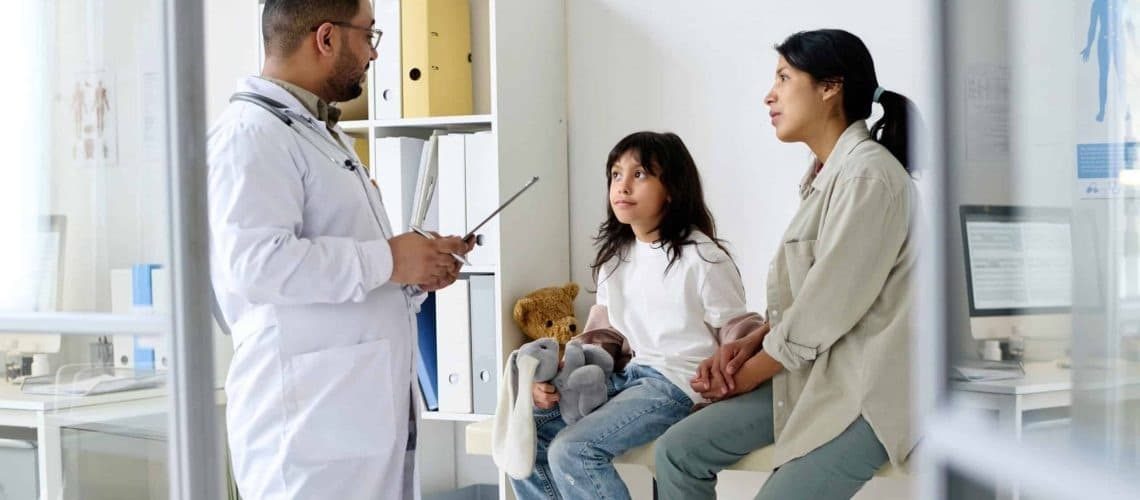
[571, 290]
[523, 307]
[513, 438]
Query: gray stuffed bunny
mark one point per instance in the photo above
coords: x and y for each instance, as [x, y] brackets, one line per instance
[581, 384]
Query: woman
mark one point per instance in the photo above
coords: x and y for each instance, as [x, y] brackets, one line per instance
[830, 387]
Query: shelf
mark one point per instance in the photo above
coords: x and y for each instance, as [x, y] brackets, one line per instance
[84, 323]
[454, 417]
[355, 126]
[436, 122]
[478, 270]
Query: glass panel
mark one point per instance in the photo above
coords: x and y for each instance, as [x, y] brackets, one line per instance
[1045, 246]
[87, 190]
[85, 210]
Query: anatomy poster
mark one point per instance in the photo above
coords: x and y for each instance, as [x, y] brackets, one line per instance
[93, 111]
[1108, 86]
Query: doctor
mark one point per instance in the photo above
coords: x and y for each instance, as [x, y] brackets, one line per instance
[309, 275]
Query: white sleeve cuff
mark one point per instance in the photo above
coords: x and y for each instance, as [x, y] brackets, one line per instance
[376, 260]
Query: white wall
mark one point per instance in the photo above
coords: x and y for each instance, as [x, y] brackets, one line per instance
[702, 69]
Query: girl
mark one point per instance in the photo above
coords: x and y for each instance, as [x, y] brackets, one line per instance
[667, 291]
[831, 387]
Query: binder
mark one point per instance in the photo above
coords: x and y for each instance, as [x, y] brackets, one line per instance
[426, 367]
[436, 58]
[425, 210]
[396, 172]
[453, 347]
[452, 184]
[389, 98]
[484, 366]
[122, 303]
[142, 299]
[483, 196]
[141, 289]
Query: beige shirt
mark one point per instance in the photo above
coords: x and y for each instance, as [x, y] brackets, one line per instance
[839, 302]
[322, 110]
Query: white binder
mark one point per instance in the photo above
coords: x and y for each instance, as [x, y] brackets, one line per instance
[396, 172]
[484, 359]
[389, 100]
[483, 196]
[425, 207]
[452, 184]
[453, 347]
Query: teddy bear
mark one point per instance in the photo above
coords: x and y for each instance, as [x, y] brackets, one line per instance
[546, 315]
[548, 312]
[581, 383]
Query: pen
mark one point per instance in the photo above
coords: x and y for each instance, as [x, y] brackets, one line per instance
[430, 236]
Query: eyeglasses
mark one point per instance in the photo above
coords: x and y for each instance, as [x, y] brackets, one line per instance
[373, 36]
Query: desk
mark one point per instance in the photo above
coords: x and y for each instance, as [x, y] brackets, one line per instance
[1045, 385]
[47, 414]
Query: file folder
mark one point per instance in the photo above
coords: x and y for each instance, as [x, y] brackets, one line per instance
[426, 368]
[482, 179]
[389, 98]
[453, 348]
[396, 172]
[425, 207]
[484, 365]
[436, 58]
[452, 184]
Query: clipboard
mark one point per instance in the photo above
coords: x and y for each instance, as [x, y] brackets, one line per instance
[471, 232]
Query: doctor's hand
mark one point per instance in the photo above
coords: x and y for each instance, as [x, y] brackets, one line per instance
[419, 261]
[545, 395]
[447, 280]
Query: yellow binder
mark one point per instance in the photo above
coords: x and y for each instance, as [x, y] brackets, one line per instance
[436, 53]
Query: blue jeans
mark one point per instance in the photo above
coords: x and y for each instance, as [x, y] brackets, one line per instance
[576, 462]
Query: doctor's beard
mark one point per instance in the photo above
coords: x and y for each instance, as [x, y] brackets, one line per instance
[347, 81]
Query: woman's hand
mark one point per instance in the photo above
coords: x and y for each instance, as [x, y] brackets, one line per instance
[716, 376]
[755, 371]
[732, 355]
[545, 395]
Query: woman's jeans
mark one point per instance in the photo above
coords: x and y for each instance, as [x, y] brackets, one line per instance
[689, 456]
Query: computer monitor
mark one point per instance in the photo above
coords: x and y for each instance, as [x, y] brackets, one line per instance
[1019, 271]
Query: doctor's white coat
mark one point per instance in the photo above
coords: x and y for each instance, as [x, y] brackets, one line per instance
[320, 384]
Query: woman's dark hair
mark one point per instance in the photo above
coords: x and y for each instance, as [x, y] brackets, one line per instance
[836, 56]
[664, 156]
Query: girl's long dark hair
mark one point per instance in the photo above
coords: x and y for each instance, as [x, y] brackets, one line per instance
[665, 156]
[836, 56]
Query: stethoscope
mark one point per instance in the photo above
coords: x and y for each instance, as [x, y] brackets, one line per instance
[308, 131]
[291, 118]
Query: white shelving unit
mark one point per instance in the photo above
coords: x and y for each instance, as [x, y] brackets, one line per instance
[519, 89]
